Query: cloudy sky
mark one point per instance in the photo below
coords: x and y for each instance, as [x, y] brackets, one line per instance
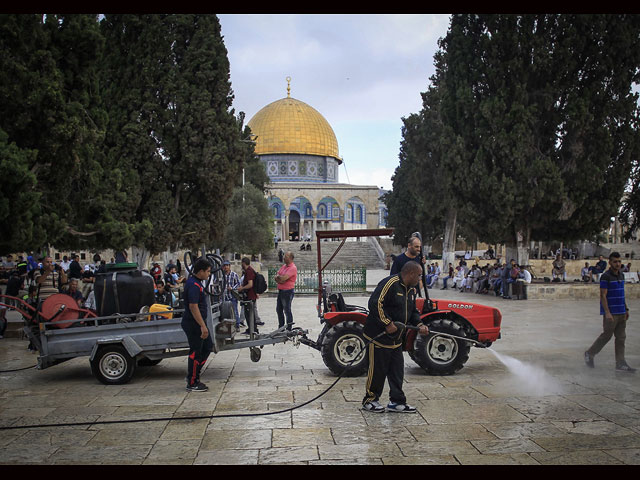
[363, 73]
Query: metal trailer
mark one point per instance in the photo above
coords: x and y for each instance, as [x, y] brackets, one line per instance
[117, 344]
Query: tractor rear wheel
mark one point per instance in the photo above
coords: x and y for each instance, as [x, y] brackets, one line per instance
[440, 355]
[343, 348]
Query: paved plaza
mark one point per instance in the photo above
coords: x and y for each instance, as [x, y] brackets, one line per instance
[544, 406]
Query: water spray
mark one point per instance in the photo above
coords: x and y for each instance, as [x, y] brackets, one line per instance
[532, 379]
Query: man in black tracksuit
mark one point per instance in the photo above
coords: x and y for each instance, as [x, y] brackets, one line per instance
[393, 300]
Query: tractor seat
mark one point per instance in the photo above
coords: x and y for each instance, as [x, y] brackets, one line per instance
[338, 300]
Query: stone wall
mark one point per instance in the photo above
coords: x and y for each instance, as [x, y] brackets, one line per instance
[557, 291]
[543, 268]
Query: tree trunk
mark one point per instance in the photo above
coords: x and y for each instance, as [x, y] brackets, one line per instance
[523, 252]
[449, 241]
[518, 250]
[141, 256]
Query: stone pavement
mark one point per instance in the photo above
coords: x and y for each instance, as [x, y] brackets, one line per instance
[551, 409]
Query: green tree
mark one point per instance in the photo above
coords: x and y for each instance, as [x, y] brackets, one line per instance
[250, 220]
[543, 107]
[173, 135]
[19, 200]
[424, 196]
[630, 211]
[51, 107]
[404, 201]
[255, 172]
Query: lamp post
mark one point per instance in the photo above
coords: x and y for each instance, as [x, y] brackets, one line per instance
[252, 139]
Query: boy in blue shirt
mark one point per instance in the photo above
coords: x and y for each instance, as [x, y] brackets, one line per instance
[615, 314]
[194, 326]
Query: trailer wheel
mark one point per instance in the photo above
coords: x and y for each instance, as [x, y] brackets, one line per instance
[112, 365]
[440, 355]
[343, 344]
[255, 353]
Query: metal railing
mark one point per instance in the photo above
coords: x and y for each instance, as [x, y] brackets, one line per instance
[344, 280]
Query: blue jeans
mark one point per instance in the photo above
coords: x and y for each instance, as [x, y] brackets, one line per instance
[283, 307]
[505, 286]
[234, 302]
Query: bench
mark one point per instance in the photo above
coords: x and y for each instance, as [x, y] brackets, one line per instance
[631, 277]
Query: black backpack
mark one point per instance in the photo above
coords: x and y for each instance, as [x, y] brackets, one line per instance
[260, 284]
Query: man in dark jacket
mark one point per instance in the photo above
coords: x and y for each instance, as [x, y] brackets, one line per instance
[393, 300]
[506, 277]
[75, 269]
[14, 285]
[194, 324]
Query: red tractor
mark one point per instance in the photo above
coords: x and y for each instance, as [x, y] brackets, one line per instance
[454, 326]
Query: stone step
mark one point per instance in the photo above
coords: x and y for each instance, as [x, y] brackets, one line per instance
[624, 249]
[353, 253]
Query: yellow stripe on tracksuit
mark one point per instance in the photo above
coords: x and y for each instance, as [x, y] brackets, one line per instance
[391, 281]
[370, 394]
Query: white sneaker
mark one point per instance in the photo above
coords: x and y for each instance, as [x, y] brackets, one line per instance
[373, 407]
[402, 408]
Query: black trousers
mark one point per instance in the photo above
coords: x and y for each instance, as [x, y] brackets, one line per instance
[199, 350]
[385, 364]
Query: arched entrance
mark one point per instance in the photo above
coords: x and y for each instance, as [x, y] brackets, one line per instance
[294, 225]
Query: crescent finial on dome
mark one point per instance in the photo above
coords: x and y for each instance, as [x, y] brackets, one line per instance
[288, 87]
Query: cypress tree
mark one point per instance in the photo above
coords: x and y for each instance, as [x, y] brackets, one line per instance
[544, 109]
[19, 200]
[51, 111]
[173, 133]
[249, 228]
[630, 211]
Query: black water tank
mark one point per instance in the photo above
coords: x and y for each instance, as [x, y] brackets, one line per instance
[123, 291]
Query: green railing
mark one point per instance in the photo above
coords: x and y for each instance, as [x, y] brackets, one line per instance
[346, 280]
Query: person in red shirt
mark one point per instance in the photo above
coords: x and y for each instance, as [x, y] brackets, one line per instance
[156, 271]
[248, 287]
[286, 280]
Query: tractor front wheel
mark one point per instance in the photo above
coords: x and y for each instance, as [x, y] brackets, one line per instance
[439, 354]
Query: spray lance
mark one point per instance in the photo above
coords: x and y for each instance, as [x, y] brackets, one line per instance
[400, 326]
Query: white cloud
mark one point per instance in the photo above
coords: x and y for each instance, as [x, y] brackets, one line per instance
[380, 177]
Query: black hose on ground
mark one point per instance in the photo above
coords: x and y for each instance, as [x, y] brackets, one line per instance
[196, 417]
[202, 417]
[18, 369]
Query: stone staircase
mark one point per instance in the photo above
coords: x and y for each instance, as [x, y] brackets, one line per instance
[352, 254]
[625, 249]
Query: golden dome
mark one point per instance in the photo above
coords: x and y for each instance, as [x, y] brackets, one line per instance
[291, 126]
